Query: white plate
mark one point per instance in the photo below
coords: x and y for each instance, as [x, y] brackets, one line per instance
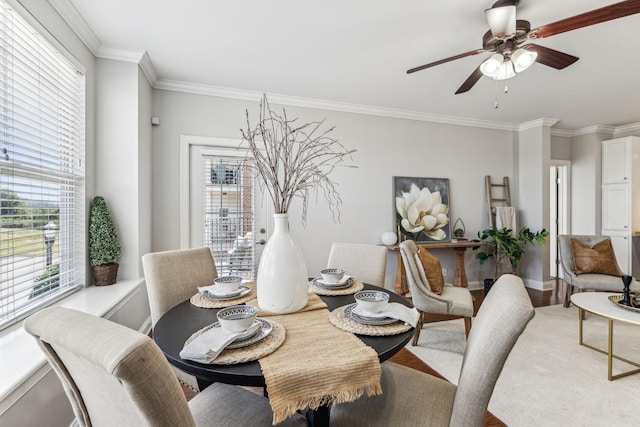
[348, 311]
[240, 292]
[260, 334]
[340, 285]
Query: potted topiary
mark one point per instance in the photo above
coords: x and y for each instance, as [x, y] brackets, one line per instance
[104, 247]
[502, 246]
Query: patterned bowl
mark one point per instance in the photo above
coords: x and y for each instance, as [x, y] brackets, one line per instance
[227, 283]
[237, 318]
[371, 301]
[332, 275]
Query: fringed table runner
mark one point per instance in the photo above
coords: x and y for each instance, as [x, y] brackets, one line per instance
[318, 364]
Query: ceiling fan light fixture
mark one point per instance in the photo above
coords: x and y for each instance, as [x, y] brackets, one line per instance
[502, 21]
[522, 59]
[492, 65]
[505, 72]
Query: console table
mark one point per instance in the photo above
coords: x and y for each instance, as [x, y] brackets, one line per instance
[459, 248]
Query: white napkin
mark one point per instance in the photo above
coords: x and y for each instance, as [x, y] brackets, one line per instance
[394, 310]
[208, 345]
[212, 291]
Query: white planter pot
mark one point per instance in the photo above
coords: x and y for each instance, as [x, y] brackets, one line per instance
[282, 282]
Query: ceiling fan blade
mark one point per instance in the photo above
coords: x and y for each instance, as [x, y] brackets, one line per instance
[442, 61]
[604, 14]
[471, 80]
[550, 57]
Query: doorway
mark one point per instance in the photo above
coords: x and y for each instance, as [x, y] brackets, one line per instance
[559, 204]
[220, 204]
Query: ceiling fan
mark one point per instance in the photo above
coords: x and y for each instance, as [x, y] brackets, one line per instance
[508, 37]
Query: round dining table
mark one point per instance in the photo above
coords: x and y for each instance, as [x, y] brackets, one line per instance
[180, 322]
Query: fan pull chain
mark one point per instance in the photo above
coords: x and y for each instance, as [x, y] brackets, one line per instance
[495, 103]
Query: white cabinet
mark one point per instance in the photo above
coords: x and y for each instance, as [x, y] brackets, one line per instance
[616, 164]
[616, 207]
[621, 197]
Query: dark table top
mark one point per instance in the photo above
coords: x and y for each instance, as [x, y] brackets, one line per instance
[179, 323]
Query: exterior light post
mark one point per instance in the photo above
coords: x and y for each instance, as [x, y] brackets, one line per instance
[49, 232]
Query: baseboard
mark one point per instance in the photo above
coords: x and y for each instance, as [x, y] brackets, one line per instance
[538, 285]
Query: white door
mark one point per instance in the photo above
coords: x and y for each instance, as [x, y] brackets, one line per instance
[225, 212]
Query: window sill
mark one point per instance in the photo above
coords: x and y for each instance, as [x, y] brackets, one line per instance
[22, 363]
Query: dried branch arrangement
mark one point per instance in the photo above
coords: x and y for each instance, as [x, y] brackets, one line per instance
[291, 159]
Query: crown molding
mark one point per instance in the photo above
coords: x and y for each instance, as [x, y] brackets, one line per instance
[106, 52]
[139, 57]
[79, 26]
[609, 130]
[633, 127]
[249, 95]
[533, 124]
[562, 132]
[148, 69]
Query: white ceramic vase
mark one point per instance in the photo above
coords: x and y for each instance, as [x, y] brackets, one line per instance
[282, 282]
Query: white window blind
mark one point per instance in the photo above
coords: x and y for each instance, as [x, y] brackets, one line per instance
[41, 171]
[229, 215]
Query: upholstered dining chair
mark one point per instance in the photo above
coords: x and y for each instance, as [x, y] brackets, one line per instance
[367, 263]
[115, 376]
[412, 398]
[591, 281]
[173, 277]
[453, 300]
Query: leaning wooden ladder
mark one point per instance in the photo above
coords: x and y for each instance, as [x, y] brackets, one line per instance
[504, 198]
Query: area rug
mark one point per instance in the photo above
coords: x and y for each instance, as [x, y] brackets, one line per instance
[549, 379]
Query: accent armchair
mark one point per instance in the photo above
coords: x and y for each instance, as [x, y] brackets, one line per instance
[592, 281]
[453, 300]
[412, 398]
[115, 376]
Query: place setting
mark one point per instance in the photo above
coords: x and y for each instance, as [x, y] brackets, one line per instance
[238, 336]
[373, 314]
[333, 282]
[225, 291]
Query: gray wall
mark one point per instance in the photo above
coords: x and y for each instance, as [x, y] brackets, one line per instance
[386, 147]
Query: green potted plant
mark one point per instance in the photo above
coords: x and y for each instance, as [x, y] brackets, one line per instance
[501, 245]
[104, 247]
[458, 230]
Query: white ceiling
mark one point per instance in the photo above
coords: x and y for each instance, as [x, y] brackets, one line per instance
[358, 51]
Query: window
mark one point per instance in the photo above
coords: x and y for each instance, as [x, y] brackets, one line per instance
[42, 242]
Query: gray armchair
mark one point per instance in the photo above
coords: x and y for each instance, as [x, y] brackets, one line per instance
[115, 376]
[591, 281]
[453, 300]
[412, 398]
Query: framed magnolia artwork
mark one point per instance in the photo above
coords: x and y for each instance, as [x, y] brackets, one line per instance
[422, 209]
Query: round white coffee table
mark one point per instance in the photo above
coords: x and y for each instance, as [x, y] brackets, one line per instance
[598, 303]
